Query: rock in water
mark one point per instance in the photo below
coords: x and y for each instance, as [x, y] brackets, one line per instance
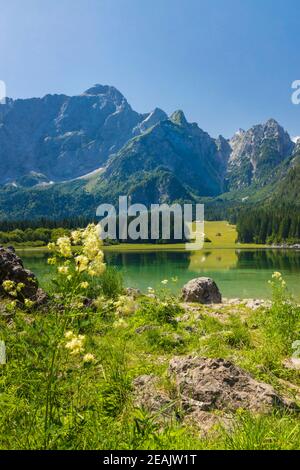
[12, 269]
[202, 290]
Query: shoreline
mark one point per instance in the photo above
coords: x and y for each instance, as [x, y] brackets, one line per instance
[136, 248]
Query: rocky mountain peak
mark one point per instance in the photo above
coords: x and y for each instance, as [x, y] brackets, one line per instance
[150, 120]
[101, 90]
[179, 118]
[256, 151]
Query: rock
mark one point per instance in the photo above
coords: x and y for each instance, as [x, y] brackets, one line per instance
[293, 363]
[202, 290]
[207, 391]
[132, 292]
[217, 384]
[149, 395]
[12, 269]
[255, 304]
[253, 153]
[143, 328]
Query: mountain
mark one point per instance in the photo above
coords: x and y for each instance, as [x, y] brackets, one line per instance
[62, 156]
[256, 153]
[175, 147]
[61, 137]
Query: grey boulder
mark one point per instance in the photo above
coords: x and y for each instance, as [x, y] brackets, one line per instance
[202, 290]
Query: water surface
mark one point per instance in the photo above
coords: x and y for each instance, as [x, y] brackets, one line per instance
[238, 273]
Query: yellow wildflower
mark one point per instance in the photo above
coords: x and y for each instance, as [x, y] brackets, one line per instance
[69, 334]
[28, 303]
[20, 286]
[75, 345]
[8, 286]
[52, 261]
[76, 236]
[82, 263]
[84, 285]
[12, 305]
[64, 246]
[89, 358]
[120, 323]
[63, 270]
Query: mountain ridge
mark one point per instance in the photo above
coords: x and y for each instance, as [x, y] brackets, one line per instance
[94, 147]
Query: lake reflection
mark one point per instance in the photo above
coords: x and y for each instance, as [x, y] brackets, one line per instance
[239, 273]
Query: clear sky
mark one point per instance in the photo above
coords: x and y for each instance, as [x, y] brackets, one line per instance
[226, 63]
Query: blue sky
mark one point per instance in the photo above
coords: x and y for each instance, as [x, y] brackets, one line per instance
[226, 63]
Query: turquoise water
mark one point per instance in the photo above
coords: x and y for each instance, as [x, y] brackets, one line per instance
[238, 273]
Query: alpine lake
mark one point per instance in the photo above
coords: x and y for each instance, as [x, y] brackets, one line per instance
[239, 273]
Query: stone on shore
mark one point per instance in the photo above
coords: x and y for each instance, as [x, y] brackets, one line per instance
[12, 269]
[202, 290]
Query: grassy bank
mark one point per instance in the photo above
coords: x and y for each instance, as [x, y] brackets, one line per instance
[53, 399]
[220, 233]
[68, 382]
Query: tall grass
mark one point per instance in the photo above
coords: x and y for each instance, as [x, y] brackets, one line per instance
[68, 380]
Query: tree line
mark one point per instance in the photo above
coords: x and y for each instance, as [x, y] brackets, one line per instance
[269, 226]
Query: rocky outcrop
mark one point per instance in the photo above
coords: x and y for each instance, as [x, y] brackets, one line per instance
[256, 153]
[63, 137]
[202, 290]
[208, 392]
[12, 269]
[217, 384]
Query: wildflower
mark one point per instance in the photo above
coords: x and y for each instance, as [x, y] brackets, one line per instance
[97, 267]
[150, 290]
[8, 286]
[63, 270]
[51, 246]
[70, 277]
[64, 247]
[52, 261]
[12, 305]
[89, 358]
[125, 305]
[28, 303]
[165, 281]
[120, 323]
[84, 285]
[276, 275]
[76, 344]
[20, 286]
[82, 263]
[91, 246]
[69, 334]
[76, 236]
[78, 305]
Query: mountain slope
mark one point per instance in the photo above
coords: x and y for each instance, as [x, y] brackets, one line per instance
[173, 146]
[256, 153]
[62, 156]
[61, 137]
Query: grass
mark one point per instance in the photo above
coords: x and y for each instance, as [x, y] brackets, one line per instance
[220, 233]
[68, 381]
[51, 399]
